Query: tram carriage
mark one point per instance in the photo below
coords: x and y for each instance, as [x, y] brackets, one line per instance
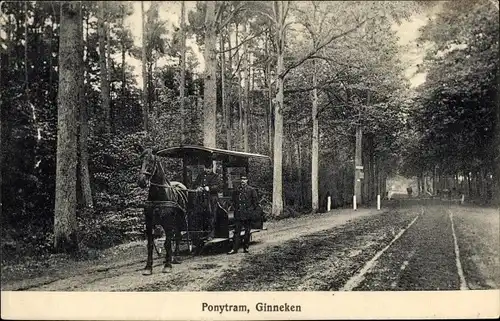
[196, 228]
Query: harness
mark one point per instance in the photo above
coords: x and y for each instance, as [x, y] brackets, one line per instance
[176, 191]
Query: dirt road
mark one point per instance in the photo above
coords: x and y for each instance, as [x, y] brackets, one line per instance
[412, 245]
[119, 269]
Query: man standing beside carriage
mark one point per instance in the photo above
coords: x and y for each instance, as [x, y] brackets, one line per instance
[209, 183]
[246, 203]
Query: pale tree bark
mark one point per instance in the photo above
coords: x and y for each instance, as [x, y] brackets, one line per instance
[240, 100]
[246, 76]
[85, 188]
[366, 171]
[227, 109]
[299, 173]
[124, 51]
[183, 70]
[145, 112]
[108, 76]
[253, 125]
[104, 125]
[210, 89]
[315, 143]
[69, 98]
[269, 109]
[280, 9]
[358, 163]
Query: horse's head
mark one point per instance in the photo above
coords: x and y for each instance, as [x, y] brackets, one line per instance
[148, 168]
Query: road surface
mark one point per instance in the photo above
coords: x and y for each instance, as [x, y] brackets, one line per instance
[408, 245]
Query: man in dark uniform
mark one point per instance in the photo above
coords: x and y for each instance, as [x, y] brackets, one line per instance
[209, 184]
[245, 204]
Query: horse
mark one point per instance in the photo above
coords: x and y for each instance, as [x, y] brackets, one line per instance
[168, 202]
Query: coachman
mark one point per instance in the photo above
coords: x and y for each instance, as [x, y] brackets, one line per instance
[246, 205]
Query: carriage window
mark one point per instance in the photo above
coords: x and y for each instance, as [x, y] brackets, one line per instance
[194, 170]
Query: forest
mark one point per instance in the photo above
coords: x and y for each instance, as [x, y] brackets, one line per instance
[319, 86]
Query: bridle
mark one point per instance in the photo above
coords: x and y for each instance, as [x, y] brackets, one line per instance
[153, 172]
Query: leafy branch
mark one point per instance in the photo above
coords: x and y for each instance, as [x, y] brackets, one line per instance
[318, 48]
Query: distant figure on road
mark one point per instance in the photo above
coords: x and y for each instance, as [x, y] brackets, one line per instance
[409, 190]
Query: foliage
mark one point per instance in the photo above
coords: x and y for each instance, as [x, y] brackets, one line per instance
[453, 118]
[448, 122]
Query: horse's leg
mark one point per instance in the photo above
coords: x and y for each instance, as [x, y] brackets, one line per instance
[168, 227]
[177, 238]
[148, 270]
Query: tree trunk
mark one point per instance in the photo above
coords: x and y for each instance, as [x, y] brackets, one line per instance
[83, 168]
[223, 92]
[183, 71]
[145, 111]
[26, 40]
[246, 77]
[496, 162]
[358, 164]
[50, 55]
[366, 170]
[315, 144]
[229, 136]
[277, 208]
[373, 174]
[124, 51]
[109, 71]
[240, 103]
[124, 80]
[69, 98]
[299, 173]
[104, 125]
[469, 185]
[270, 118]
[268, 108]
[210, 85]
[87, 64]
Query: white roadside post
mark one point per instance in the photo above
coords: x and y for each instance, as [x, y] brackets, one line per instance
[329, 203]
[378, 202]
[354, 205]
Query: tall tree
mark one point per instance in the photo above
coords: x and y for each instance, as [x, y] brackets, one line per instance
[246, 83]
[69, 98]
[83, 161]
[210, 77]
[105, 107]
[228, 110]
[280, 12]
[280, 24]
[183, 68]
[145, 111]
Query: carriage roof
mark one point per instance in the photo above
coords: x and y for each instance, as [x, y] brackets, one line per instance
[195, 151]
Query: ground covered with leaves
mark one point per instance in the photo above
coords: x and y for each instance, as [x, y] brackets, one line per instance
[318, 262]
